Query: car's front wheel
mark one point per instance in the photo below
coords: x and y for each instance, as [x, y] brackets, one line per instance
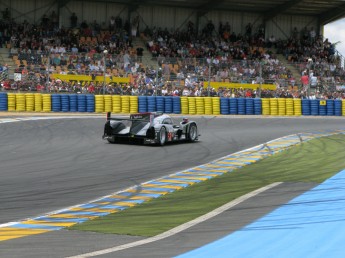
[192, 133]
[162, 136]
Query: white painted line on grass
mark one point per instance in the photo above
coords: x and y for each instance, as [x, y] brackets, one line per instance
[180, 228]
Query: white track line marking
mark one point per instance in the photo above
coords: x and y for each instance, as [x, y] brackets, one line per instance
[180, 228]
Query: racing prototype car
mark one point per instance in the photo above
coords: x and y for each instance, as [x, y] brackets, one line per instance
[149, 128]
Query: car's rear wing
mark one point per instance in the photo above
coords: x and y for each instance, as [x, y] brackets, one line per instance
[139, 117]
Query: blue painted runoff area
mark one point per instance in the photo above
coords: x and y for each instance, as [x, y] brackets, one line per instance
[310, 225]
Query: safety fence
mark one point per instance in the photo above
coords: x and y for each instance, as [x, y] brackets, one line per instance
[37, 102]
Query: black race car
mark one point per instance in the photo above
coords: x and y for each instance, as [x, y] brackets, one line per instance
[149, 128]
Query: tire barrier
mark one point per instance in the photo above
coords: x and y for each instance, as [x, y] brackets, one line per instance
[330, 107]
[305, 107]
[314, 107]
[125, 104]
[322, 108]
[142, 104]
[3, 101]
[184, 105]
[191, 106]
[133, 104]
[108, 103]
[168, 104]
[257, 106]
[281, 106]
[215, 106]
[56, 102]
[38, 102]
[289, 107]
[73, 103]
[20, 102]
[116, 99]
[65, 103]
[11, 102]
[337, 107]
[47, 103]
[176, 105]
[209, 107]
[274, 106]
[233, 106]
[90, 103]
[81, 99]
[249, 106]
[241, 106]
[29, 102]
[266, 106]
[160, 104]
[297, 107]
[151, 103]
[99, 103]
[224, 106]
[200, 105]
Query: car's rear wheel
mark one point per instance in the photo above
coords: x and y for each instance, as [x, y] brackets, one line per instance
[162, 136]
[192, 133]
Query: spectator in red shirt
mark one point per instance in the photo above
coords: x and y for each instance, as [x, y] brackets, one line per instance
[305, 81]
[91, 88]
[249, 94]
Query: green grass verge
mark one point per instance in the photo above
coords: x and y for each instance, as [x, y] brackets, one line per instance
[312, 161]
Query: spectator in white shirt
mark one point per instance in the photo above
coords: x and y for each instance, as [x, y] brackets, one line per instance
[185, 92]
[74, 49]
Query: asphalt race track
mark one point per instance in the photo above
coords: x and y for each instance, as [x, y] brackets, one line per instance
[46, 165]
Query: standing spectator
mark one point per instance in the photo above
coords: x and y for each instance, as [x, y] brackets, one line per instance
[305, 81]
[312, 35]
[135, 26]
[190, 27]
[305, 34]
[292, 81]
[150, 90]
[295, 33]
[45, 21]
[185, 92]
[188, 82]
[166, 71]
[112, 24]
[74, 20]
[249, 29]
[54, 19]
[118, 22]
[135, 91]
[126, 60]
[313, 80]
[272, 41]
[140, 51]
[164, 91]
[74, 49]
[6, 15]
[209, 28]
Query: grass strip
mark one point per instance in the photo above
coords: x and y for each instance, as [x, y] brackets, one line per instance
[312, 161]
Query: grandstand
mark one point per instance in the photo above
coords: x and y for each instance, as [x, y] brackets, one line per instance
[203, 44]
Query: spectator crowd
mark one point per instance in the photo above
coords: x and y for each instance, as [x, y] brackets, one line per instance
[186, 60]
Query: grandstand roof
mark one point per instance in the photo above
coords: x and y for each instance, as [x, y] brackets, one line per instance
[326, 10]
